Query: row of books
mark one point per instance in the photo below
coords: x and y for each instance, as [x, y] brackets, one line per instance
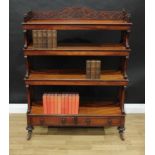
[93, 69]
[44, 38]
[60, 103]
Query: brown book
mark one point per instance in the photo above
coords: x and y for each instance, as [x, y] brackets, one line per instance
[93, 69]
[35, 38]
[88, 69]
[44, 39]
[49, 39]
[98, 69]
[59, 104]
[40, 38]
[54, 37]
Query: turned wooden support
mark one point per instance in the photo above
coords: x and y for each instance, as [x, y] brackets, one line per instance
[27, 65]
[127, 38]
[25, 39]
[121, 95]
[121, 130]
[28, 89]
[124, 66]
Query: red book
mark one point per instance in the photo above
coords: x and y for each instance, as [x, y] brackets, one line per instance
[59, 104]
[70, 103]
[56, 105]
[73, 104]
[77, 103]
[51, 103]
[44, 104]
[62, 104]
[65, 104]
[48, 103]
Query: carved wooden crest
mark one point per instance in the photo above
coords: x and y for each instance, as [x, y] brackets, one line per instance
[80, 13]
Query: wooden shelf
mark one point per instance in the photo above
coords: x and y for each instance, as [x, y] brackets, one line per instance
[114, 78]
[91, 109]
[77, 19]
[80, 50]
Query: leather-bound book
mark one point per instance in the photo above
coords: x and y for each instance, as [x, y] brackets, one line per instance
[49, 39]
[40, 38]
[98, 69]
[35, 38]
[88, 69]
[54, 37]
[44, 39]
[93, 69]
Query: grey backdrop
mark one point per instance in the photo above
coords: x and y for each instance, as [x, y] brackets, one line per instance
[136, 69]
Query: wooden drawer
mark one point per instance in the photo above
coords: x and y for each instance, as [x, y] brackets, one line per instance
[75, 121]
[98, 121]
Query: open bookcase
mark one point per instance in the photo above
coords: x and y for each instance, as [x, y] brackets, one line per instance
[91, 113]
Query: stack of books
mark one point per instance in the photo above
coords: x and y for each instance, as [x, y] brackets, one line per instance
[93, 69]
[61, 103]
[44, 38]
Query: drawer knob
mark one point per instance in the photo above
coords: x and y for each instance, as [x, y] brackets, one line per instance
[63, 120]
[88, 121]
[75, 120]
[109, 122]
[42, 121]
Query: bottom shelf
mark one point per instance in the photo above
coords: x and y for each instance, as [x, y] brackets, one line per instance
[93, 109]
[90, 115]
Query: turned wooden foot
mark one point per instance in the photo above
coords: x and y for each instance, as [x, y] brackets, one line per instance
[121, 132]
[29, 134]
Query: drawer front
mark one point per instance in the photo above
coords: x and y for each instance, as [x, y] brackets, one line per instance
[75, 121]
[53, 121]
[98, 121]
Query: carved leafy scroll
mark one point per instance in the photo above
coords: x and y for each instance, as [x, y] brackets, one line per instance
[80, 13]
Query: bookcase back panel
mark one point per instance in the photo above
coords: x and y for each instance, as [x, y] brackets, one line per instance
[87, 93]
[75, 64]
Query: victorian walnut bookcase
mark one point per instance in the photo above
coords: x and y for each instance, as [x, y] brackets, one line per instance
[91, 114]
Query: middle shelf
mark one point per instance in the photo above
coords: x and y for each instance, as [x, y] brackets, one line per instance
[86, 108]
[55, 77]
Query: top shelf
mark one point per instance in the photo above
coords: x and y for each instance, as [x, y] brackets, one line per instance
[77, 18]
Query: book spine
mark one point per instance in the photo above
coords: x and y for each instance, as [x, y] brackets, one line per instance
[55, 103]
[44, 104]
[77, 103]
[35, 38]
[66, 104]
[98, 69]
[88, 69]
[51, 103]
[59, 103]
[63, 104]
[40, 38]
[93, 69]
[44, 39]
[54, 37]
[49, 39]
[69, 103]
[72, 103]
